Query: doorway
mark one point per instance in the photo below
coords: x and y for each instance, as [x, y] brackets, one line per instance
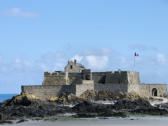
[154, 92]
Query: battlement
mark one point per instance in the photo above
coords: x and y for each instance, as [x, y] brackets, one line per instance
[56, 73]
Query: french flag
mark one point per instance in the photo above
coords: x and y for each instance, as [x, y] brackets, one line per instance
[136, 54]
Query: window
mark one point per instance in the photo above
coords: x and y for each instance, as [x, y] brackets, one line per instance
[71, 67]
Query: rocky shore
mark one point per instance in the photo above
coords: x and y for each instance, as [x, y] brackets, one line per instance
[28, 107]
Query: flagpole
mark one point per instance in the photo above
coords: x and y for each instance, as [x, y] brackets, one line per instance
[135, 55]
[134, 64]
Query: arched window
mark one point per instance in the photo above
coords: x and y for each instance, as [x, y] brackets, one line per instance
[154, 92]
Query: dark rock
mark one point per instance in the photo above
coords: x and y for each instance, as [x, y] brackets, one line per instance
[151, 111]
[21, 107]
[135, 104]
[87, 109]
[86, 115]
[21, 121]
[1, 117]
[91, 107]
[6, 122]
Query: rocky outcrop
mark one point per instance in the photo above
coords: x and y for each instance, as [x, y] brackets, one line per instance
[66, 99]
[23, 106]
[87, 109]
[30, 106]
[133, 104]
[107, 95]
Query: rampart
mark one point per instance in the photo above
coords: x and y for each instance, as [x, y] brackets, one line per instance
[46, 91]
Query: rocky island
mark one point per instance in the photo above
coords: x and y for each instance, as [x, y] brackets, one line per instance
[80, 93]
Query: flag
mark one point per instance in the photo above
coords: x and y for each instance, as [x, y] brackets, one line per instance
[136, 54]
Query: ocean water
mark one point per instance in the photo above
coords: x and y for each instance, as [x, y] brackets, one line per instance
[5, 96]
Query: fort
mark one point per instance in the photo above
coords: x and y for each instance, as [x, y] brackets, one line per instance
[76, 79]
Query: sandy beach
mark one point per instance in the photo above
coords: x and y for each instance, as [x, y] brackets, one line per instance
[131, 121]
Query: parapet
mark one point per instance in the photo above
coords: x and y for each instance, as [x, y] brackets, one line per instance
[56, 73]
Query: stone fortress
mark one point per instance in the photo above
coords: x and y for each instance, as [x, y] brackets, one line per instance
[76, 79]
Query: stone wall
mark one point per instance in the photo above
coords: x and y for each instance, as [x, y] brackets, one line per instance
[59, 78]
[46, 91]
[81, 88]
[75, 78]
[54, 78]
[146, 89]
[118, 77]
[125, 81]
[99, 77]
[133, 82]
[111, 87]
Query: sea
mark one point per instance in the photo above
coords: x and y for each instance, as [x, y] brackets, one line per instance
[4, 97]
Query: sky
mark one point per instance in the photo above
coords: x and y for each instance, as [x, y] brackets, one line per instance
[42, 35]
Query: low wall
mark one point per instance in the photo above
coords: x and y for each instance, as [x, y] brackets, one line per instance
[46, 91]
[146, 89]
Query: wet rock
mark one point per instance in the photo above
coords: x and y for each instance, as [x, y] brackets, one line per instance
[139, 106]
[164, 106]
[151, 111]
[26, 106]
[1, 117]
[91, 107]
[19, 107]
[21, 121]
[87, 109]
[133, 104]
[5, 122]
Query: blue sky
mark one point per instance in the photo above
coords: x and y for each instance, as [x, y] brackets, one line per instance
[38, 36]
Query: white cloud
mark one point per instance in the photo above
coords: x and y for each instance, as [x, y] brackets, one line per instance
[97, 62]
[51, 61]
[17, 12]
[77, 57]
[161, 58]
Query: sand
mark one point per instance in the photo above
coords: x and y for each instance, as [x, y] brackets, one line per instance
[131, 121]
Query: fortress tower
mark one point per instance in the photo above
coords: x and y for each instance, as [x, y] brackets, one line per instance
[74, 67]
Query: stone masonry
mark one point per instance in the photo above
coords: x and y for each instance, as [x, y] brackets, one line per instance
[76, 80]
